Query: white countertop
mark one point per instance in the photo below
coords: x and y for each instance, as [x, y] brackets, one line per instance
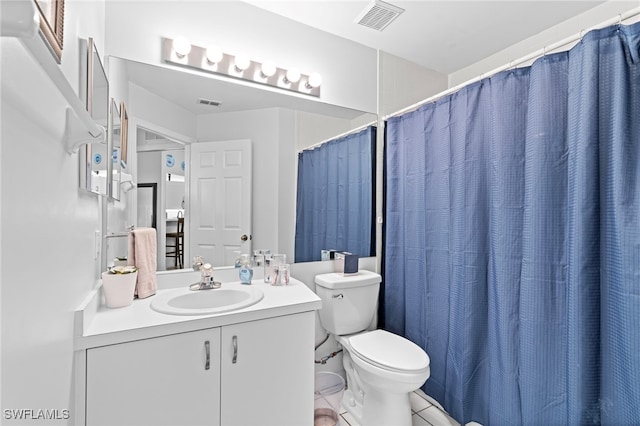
[98, 325]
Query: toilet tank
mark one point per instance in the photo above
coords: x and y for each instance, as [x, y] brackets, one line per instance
[348, 302]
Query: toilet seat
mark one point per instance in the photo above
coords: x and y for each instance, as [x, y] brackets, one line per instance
[389, 351]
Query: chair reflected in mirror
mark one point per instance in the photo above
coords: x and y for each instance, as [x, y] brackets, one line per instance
[175, 243]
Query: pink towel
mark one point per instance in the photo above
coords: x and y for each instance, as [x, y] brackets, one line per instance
[142, 253]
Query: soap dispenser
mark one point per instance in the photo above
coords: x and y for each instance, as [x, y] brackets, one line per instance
[246, 272]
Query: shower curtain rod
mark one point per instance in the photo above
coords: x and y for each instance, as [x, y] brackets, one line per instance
[341, 135]
[541, 52]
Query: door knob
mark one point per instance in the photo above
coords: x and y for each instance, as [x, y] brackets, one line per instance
[244, 237]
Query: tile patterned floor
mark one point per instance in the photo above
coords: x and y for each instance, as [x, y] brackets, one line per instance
[426, 412]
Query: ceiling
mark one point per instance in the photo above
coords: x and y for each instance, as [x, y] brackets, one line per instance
[444, 36]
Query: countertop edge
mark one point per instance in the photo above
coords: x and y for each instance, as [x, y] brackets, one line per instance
[82, 341]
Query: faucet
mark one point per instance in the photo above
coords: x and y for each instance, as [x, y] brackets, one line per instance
[206, 279]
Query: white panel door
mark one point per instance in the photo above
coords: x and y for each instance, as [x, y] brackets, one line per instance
[220, 200]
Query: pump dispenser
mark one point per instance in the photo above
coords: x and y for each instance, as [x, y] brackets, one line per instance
[246, 272]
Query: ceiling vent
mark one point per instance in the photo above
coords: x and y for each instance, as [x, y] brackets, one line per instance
[203, 101]
[378, 15]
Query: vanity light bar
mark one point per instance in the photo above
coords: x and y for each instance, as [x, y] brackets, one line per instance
[239, 66]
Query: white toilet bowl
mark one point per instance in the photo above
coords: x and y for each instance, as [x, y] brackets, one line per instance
[382, 368]
[385, 369]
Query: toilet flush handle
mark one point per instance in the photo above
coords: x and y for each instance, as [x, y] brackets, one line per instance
[338, 296]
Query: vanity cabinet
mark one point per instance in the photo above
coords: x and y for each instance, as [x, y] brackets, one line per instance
[159, 381]
[271, 380]
[259, 373]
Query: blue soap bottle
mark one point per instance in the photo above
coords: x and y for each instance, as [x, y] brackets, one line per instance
[246, 272]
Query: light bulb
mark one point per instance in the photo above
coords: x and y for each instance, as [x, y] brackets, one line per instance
[292, 76]
[181, 46]
[315, 80]
[242, 62]
[268, 69]
[214, 54]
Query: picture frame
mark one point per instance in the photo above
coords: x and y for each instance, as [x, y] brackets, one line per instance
[124, 122]
[52, 24]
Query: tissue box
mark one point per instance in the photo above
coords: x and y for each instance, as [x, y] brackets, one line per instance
[346, 263]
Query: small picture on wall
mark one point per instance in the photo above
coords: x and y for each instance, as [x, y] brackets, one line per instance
[124, 122]
[52, 25]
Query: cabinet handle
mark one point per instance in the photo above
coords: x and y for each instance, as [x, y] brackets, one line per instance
[207, 354]
[234, 340]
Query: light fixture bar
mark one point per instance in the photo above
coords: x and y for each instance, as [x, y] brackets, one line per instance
[197, 59]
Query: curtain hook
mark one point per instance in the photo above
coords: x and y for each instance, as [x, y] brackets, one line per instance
[619, 18]
[581, 34]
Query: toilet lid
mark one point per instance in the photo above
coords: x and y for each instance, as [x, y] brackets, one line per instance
[390, 351]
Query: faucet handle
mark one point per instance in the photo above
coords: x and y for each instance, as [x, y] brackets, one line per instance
[197, 263]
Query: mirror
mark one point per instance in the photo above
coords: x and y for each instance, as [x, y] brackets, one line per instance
[278, 124]
[94, 90]
[115, 134]
[161, 194]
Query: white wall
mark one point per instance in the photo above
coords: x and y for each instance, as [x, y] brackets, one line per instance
[149, 107]
[135, 29]
[149, 170]
[568, 28]
[404, 83]
[174, 190]
[314, 128]
[47, 224]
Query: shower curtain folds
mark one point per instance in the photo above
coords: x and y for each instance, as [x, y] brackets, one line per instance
[334, 205]
[512, 242]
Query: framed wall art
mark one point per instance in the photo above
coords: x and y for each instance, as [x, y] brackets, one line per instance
[124, 120]
[52, 24]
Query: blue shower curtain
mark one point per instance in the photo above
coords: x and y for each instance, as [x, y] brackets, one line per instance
[512, 239]
[334, 205]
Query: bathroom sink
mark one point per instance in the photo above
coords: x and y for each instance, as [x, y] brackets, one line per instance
[205, 302]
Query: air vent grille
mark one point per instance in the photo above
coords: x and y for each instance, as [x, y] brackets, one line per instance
[378, 15]
[203, 101]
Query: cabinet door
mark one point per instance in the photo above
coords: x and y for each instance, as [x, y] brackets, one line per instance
[160, 381]
[267, 372]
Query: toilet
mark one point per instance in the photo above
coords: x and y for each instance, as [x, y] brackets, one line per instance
[382, 368]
